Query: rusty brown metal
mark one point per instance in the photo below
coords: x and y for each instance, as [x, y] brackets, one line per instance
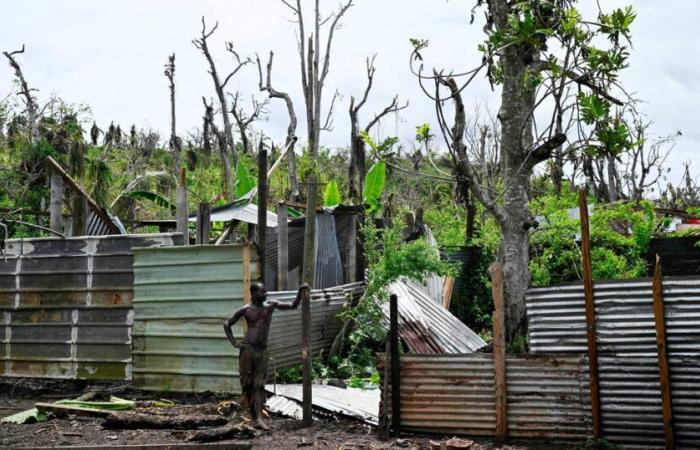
[499, 352]
[590, 314]
[664, 378]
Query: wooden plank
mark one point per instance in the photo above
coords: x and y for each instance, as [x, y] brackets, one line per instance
[590, 315]
[664, 378]
[262, 209]
[56, 203]
[395, 365]
[203, 224]
[246, 279]
[306, 358]
[197, 446]
[447, 288]
[499, 353]
[282, 247]
[75, 410]
[182, 210]
[351, 263]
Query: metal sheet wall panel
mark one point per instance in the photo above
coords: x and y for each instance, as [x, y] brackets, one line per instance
[181, 297]
[66, 305]
[455, 394]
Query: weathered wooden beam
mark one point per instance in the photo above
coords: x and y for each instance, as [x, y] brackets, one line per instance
[395, 365]
[56, 203]
[499, 352]
[262, 209]
[590, 315]
[182, 208]
[664, 377]
[140, 421]
[75, 410]
[79, 205]
[306, 359]
[203, 223]
[447, 288]
[351, 263]
[282, 248]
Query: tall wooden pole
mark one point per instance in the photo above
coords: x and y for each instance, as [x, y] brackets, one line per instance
[395, 365]
[182, 211]
[56, 203]
[203, 223]
[664, 377]
[306, 358]
[262, 208]
[282, 247]
[590, 315]
[499, 352]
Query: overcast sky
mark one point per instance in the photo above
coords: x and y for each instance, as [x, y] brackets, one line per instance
[110, 54]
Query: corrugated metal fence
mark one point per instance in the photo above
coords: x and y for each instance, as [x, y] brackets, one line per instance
[630, 391]
[66, 305]
[183, 295]
[455, 394]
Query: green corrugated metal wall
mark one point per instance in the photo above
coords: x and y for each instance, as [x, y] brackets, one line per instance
[181, 297]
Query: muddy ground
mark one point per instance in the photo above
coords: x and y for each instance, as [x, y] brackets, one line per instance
[326, 433]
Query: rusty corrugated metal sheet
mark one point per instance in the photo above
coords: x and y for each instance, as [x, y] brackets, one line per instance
[285, 332]
[66, 305]
[181, 297]
[630, 393]
[455, 395]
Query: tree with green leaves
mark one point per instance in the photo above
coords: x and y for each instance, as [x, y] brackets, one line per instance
[534, 52]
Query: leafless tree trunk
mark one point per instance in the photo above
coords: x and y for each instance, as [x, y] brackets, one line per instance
[243, 120]
[30, 102]
[175, 141]
[209, 128]
[228, 150]
[314, 65]
[290, 141]
[357, 144]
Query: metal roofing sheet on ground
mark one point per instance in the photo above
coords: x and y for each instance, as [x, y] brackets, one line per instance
[427, 327]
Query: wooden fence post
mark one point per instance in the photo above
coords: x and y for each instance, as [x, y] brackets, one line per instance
[203, 223]
[395, 365]
[590, 314]
[246, 279]
[181, 208]
[499, 352]
[56, 203]
[664, 378]
[306, 358]
[262, 209]
[282, 247]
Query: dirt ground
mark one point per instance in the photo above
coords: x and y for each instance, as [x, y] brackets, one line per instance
[326, 433]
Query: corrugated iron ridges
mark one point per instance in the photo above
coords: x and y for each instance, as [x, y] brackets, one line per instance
[328, 270]
[624, 315]
[66, 306]
[284, 340]
[181, 297]
[455, 394]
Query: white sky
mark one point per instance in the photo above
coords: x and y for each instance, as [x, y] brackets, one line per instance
[110, 54]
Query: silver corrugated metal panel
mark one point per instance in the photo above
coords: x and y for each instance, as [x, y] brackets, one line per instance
[247, 213]
[284, 340]
[66, 305]
[624, 316]
[328, 269]
[455, 394]
[362, 404]
[418, 311]
[281, 405]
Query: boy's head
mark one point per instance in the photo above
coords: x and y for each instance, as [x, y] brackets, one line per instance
[258, 293]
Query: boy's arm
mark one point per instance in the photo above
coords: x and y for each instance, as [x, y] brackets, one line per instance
[228, 323]
[304, 290]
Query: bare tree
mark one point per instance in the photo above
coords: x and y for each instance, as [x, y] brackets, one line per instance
[209, 132]
[314, 64]
[244, 120]
[228, 151]
[357, 144]
[291, 128]
[30, 103]
[175, 141]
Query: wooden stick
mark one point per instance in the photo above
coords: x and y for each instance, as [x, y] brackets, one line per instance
[203, 224]
[306, 358]
[56, 203]
[76, 410]
[590, 315]
[138, 421]
[499, 352]
[447, 288]
[246, 279]
[262, 209]
[182, 210]
[664, 378]
[282, 247]
[395, 365]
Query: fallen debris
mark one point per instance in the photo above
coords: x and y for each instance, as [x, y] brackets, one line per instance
[281, 405]
[137, 421]
[451, 444]
[29, 416]
[240, 430]
[76, 410]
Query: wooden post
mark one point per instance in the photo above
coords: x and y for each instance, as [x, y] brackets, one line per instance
[56, 202]
[395, 365]
[351, 264]
[79, 205]
[203, 223]
[282, 247]
[182, 210]
[306, 358]
[499, 352]
[383, 426]
[664, 378]
[447, 288]
[590, 315]
[262, 208]
[246, 278]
